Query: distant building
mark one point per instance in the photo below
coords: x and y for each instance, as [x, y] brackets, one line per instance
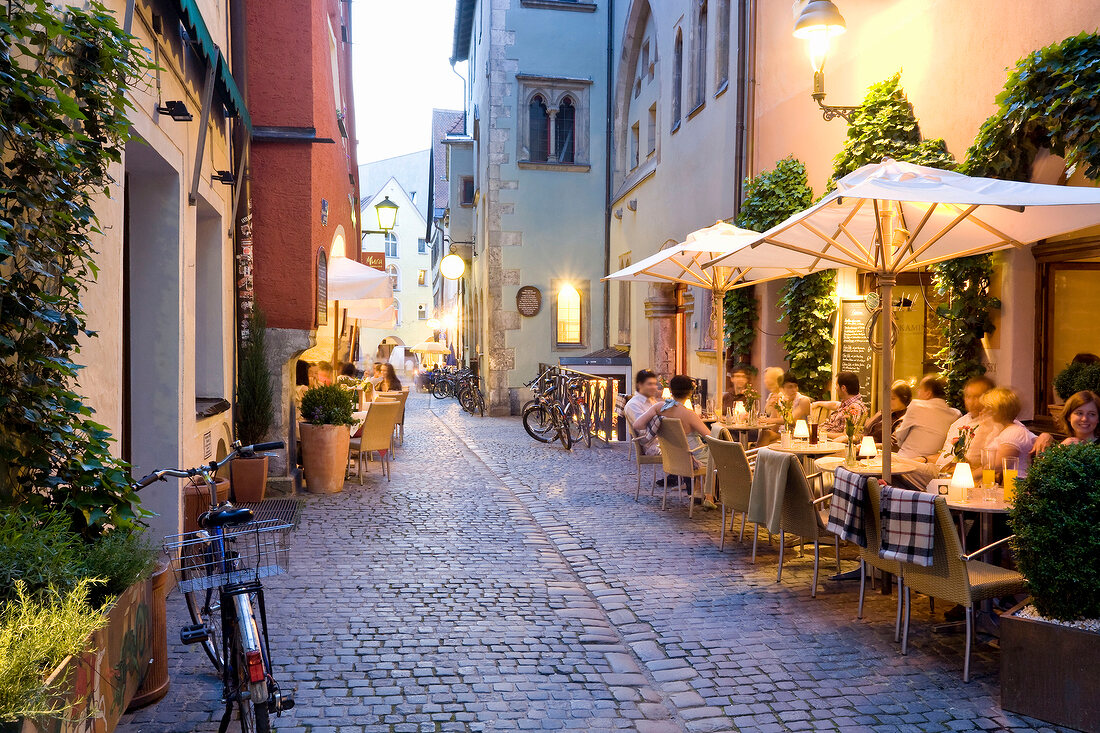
[452, 204]
[536, 95]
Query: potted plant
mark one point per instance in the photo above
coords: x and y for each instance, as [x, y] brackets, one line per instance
[255, 412]
[1050, 643]
[1076, 377]
[325, 437]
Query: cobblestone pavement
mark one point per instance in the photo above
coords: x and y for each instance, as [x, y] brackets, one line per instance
[500, 584]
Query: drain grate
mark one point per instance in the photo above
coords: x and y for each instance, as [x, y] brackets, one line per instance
[287, 511]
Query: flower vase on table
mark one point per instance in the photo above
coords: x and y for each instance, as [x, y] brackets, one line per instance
[851, 427]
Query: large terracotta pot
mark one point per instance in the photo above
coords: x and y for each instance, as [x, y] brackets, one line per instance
[196, 500]
[249, 478]
[324, 456]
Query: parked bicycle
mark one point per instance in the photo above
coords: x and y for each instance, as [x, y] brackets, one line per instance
[544, 418]
[461, 384]
[218, 569]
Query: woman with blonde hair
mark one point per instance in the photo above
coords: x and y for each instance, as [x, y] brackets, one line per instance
[1010, 438]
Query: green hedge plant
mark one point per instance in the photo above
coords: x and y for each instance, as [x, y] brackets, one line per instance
[255, 395]
[328, 405]
[1076, 378]
[1056, 519]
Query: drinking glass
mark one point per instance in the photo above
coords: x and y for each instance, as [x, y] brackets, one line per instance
[1011, 471]
[989, 468]
[813, 433]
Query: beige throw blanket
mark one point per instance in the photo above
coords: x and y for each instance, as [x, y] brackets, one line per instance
[769, 483]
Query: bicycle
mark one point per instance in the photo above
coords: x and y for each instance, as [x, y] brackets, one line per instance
[543, 417]
[468, 391]
[218, 569]
[577, 414]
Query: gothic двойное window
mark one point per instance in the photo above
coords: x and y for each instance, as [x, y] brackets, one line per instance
[552, 122]
[564, 131]
[699, 70]
[539, 136]
[722, 44]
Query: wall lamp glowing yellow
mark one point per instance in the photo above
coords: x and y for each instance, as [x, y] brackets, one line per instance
[818, 23]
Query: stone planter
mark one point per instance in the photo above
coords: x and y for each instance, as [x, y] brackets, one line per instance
[249, 479]
[324, 456]
[155, 684]
[105, 679]
[1048, 671]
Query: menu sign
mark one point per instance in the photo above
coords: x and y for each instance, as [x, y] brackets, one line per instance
[377, 260]
[856, 354]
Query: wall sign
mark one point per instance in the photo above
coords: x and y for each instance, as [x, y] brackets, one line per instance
[856, 354]
[528, 301]
[377, 260]
[324, 212]
[322, 287]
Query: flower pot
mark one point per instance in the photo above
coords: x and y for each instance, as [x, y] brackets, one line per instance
[155, 684]
[324, 456]
[249, 479]
[1048, 671]
[196, 500]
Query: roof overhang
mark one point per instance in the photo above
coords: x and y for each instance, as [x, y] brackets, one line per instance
[464, 22]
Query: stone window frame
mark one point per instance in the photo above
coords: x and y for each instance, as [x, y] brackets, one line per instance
[553, 91]
[700, 30]
[722, 15]
[584, 287]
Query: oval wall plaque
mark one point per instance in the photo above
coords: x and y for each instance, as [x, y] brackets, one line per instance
[528, 301]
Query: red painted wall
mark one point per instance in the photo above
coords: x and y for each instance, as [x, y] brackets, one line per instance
[290, 85]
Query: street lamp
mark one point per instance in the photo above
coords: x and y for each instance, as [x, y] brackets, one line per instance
[452, 266]
[818, 22]
[386, 211]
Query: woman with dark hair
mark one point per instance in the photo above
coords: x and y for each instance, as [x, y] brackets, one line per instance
[390, 382]
[901, 394]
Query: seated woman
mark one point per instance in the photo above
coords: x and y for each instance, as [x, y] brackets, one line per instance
[1010, 438]
[1080, 416]
[390, 382]
[789, 394]
[901, 394]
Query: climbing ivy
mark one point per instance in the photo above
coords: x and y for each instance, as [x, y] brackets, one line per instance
[968, 317]
[884, 126]
[808, 303]
[63, 79]
[770, 198]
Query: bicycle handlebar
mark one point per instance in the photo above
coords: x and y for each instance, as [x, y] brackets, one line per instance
[239, 450]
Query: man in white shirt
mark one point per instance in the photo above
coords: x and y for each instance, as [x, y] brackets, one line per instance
[927, 420]
[646, 389]
[975, 416]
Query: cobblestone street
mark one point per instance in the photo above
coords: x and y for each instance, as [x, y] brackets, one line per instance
[501, 584]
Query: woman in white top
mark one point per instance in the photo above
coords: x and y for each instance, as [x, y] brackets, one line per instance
[1010, 438]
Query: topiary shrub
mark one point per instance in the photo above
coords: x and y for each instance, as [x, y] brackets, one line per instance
[1056, 519]
[1077, 377]
[327, 404]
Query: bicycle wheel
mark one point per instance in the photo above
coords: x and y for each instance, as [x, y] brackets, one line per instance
[252, 708]
[574, 422]
[466, 399]
[539, 423]
[204, 605]
[479, 401]
[562, 427]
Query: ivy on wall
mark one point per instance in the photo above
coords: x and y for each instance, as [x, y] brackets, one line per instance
[62, 125]
[808, 303]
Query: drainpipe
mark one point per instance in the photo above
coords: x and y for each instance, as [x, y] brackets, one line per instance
[741, 140]
[241, 227]
[607, 177]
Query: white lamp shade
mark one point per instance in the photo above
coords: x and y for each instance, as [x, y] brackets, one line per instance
[387, 214]
[962, 478]
[452, 266]
[666, 394]
[801, 429]
[433, 324]
[739, 407]
[867, 447]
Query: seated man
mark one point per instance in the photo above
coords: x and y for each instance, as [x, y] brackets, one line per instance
[739, 382]
[646, 389]
[975, 417]
[850, 405]
[788, 392]
[927, 419]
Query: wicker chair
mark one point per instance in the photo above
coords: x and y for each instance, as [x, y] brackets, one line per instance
[401, 396]
[868, 556]
[800, 515]
[641, 459]
[676, 458]
[957, 578]
[733, 469]
[377, 435]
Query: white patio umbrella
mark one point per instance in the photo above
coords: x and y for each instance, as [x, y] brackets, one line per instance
[372, 312]
[684, 263]
[893, 217]
[351, 280]
[430, 347]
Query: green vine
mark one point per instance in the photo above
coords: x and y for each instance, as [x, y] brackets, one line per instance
[968, 318]
[808, 303]
[62, 125]
[770, 198]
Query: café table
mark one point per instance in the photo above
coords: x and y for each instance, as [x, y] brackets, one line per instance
[869, 467]
[809, 451]
[986, 509]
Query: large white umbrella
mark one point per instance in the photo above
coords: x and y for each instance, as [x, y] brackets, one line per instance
[683, 263]
[372, 312]
[351, 280]
[430, 347]
[892, 217]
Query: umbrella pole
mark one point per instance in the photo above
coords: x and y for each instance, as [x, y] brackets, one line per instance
[336, 340]
[719, 348]
[886, 360]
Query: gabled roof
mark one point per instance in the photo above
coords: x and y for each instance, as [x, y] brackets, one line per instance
[445, 122]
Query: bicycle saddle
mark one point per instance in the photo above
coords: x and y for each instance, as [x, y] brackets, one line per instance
[227, 516]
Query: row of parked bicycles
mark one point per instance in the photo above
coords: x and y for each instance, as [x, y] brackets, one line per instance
[559, 411]
[462, 384]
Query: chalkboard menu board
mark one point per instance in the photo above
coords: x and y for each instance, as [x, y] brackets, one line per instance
[856, 354]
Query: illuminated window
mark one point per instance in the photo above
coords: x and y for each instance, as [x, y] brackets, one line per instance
[569, 316]
[422, 277]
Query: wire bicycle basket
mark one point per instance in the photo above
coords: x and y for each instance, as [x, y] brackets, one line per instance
[251, 552]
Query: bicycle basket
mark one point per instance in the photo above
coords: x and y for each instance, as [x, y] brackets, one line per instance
[244, 554]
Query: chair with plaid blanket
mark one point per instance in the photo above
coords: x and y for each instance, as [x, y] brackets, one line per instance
[908, 518]
[955, 577]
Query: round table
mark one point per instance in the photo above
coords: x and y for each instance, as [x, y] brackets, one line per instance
[898, 465]
[985, 511]
[808, 451]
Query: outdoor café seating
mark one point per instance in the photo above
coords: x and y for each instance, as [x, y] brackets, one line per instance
[376, 435]
[733, 470]
[401, 396]
[677, 460]
[641, 459]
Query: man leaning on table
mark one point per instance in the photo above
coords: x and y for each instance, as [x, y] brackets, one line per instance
[646, 389]
[850, 404]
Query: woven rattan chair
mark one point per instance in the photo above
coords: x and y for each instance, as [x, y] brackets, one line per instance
[641, 459]
[676, 458]
[868, 556]
[401, 396]
[802, 516]
[733, 470]
[377, 435]
[957, 578]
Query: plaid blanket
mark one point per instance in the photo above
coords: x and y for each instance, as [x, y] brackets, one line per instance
[648, 433]
[908, 525]
[847, 506]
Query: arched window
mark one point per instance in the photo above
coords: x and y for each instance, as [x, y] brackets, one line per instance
[540, 130]
[699, 70]
[569, 316]
[391, 244]
[722, 44]
[677, 79]
[396, 313]
[395, 277]
[564, 129]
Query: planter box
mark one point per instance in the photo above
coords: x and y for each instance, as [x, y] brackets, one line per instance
[1048, 671]
[105, 679]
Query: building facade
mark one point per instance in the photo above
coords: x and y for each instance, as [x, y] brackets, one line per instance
[159, 373]
[304, 180]
[451, 219]
[536, 113]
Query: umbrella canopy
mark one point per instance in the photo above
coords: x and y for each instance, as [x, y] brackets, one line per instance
[371, 312]
[350, 280]
[430, 347]
[893, 217]
[684, 263]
